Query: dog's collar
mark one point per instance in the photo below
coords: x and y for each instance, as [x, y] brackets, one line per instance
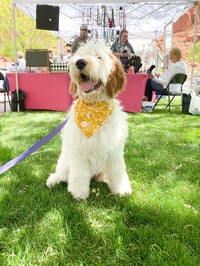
[91, 116]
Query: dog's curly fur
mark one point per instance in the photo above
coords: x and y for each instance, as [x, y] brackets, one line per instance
[100, 155]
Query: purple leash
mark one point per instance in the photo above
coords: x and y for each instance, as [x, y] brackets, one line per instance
[33, 148]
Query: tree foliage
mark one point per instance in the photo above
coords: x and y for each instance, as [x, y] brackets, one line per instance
[197, 52]
[27, 36]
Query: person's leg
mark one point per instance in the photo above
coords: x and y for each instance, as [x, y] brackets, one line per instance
[152, 85]
[156, 86]
[148, 90]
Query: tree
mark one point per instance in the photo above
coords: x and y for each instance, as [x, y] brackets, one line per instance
[27, 36]
[197, 52]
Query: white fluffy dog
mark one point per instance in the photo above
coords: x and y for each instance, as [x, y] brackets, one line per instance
[93, 138]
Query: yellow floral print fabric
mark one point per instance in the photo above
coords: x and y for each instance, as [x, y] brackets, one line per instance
[90, 117]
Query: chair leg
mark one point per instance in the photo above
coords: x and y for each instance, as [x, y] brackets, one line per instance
[169, 102]
[4, 102]
[160, 96]
[168, 105]
[8, 97]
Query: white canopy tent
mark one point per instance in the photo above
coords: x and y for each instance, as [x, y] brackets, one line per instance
[145, 20]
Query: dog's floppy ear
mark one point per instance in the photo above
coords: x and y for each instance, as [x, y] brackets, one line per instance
[73, 90]
[116, 80]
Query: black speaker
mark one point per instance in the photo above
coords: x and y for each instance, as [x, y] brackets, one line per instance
[47, 17]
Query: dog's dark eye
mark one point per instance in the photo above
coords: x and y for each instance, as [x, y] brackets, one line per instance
[99, 57]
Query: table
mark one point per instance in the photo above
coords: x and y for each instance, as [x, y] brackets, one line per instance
[50, 91]
[131, 97]
[44, 91]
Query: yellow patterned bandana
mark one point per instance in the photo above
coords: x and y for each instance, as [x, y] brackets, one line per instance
[90, 117]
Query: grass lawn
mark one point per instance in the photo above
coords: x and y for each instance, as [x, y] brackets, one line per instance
[159, 224]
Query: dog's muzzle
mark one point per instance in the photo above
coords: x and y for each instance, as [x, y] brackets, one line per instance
[86, 84]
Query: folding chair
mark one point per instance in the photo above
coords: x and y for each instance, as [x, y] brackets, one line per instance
[5, 89]
[179, 78]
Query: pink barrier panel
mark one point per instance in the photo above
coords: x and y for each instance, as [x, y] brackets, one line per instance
[47, 91]
[50, 91]
[131, 97]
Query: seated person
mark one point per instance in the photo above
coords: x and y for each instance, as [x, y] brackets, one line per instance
[51, 57]
[158, 82]
[21, 62]
[123, 49]
[67, 53]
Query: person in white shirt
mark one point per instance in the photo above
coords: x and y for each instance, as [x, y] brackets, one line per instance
[67, 53]
[21, 62]
[159, 82]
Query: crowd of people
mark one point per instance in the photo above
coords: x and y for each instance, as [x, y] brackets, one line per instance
[123, 49]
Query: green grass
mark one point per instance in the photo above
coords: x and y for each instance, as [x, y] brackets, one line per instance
[158, 224]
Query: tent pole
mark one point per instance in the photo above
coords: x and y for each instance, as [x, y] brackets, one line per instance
[167, 47]
[15, 54]
[194, 42]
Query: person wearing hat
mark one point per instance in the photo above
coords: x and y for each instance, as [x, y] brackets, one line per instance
[82, 39]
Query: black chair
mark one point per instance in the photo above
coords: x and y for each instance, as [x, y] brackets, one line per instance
[5, 89]
[179, 78]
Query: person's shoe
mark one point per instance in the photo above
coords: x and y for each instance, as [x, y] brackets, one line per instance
[145, 98]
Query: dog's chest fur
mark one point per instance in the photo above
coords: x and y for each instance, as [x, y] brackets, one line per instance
[110, 136]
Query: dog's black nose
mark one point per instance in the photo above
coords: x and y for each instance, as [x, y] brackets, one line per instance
[81, 63]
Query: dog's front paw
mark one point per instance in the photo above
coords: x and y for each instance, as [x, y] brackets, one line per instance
[52, 180]
[122, 190]
[125, 191]
[79, 194]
